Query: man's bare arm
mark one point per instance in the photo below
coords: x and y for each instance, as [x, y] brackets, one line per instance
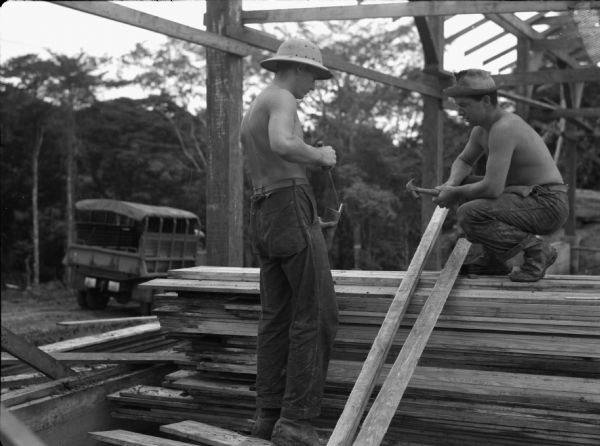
[286, 143]
[502, 142]
[463, 164]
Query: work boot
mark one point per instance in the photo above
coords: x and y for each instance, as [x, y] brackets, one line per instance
[289, 432]
[537, 259]
[485, 265]
[264, 421]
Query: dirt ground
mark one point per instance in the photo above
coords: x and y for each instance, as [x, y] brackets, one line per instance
[35, 315]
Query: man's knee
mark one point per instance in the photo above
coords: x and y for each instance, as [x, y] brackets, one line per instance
[466, 214]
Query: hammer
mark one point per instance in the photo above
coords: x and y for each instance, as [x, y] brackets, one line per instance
[416, 191]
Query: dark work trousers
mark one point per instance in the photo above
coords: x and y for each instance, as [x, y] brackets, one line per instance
[508, 224]
[299, 316]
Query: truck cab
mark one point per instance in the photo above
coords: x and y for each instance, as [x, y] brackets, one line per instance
[119, 244]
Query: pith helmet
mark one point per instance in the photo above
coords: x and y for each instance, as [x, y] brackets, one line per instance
[298, 50]
[471, 83]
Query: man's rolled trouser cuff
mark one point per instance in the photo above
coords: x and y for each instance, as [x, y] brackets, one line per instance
[527, 242]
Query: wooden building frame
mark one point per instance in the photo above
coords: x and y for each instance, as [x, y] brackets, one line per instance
[228, 40]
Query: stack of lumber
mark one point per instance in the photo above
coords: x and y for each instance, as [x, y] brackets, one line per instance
[507, 363]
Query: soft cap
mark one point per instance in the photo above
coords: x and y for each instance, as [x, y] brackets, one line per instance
[472, 82]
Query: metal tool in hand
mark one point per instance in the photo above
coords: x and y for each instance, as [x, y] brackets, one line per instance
[416, 191]
[332, 216]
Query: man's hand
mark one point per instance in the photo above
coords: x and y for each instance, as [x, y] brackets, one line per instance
[326, 224]
[328, 157]
[447, 197]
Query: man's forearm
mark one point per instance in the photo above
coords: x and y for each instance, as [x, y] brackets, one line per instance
[297, 151]
[458, 172]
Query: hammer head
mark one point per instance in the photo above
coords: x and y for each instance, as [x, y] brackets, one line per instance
[412, 189]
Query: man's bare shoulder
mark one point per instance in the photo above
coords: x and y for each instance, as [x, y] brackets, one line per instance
[273, 96]
[508, 122]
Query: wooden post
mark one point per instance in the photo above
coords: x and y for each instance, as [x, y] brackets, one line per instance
[573, 95]
[224, 188]
[383, 409]
[357, 401]
[432, 128]
[523, 54]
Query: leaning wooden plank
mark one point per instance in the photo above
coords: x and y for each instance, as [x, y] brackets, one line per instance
[382, 411]
[88, 341]
[211, 435]
[348, 423]
[113, 358]
[109, 320]
[33, 356]
[13, 432]
[125, 438]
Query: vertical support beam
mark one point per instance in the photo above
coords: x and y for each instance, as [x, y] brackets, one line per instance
[224, 189]
[573, 95]
[433, 130]
[523, 53]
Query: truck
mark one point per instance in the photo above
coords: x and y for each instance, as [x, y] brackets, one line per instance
[119, 244]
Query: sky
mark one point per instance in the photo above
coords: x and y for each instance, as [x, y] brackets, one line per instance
[34, 26]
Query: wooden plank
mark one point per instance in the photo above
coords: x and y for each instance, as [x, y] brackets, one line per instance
[126, 438]
[111, 358]
[382, 411]
[591, 112]
[108, 320]
[14, 433]
[591, 74]
[211, 435]
[33, 356]
[348, 422]
[91, 340]
[123, 14]
[464, 31]
[404, 10]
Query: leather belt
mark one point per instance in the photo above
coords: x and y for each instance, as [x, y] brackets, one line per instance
[558, 187]
[287, 182]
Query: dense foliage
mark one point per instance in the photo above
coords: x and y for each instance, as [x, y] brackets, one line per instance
[151, 150]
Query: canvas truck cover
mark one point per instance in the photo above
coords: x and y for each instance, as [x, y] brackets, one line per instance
[136, 211]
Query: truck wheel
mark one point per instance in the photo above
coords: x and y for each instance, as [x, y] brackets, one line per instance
[96, 300]
[146, 308]
[81, 299]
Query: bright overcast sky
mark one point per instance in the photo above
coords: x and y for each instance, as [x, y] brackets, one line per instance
[33, 26]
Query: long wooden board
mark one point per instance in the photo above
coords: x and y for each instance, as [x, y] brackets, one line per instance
[211, 435]
[33, 356]
[357, 402]
[382, 411]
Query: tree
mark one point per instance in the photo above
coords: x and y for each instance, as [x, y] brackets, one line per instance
[45, 94]
[175, 78]
[27, 96]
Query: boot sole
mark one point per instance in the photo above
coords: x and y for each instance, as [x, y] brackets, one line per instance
[550, 262]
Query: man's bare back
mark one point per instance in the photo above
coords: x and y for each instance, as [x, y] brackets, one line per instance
[266, 166]
[531, 162]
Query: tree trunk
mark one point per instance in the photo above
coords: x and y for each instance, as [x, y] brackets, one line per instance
[71, 170]
[39, 138]
[357, 245]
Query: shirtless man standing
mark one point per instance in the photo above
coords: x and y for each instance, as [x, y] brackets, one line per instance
[299, 315]
[522, 193]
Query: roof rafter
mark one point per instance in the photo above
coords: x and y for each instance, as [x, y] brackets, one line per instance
[548, 77]
[410, 9]
[464, 31]
[241, 47]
